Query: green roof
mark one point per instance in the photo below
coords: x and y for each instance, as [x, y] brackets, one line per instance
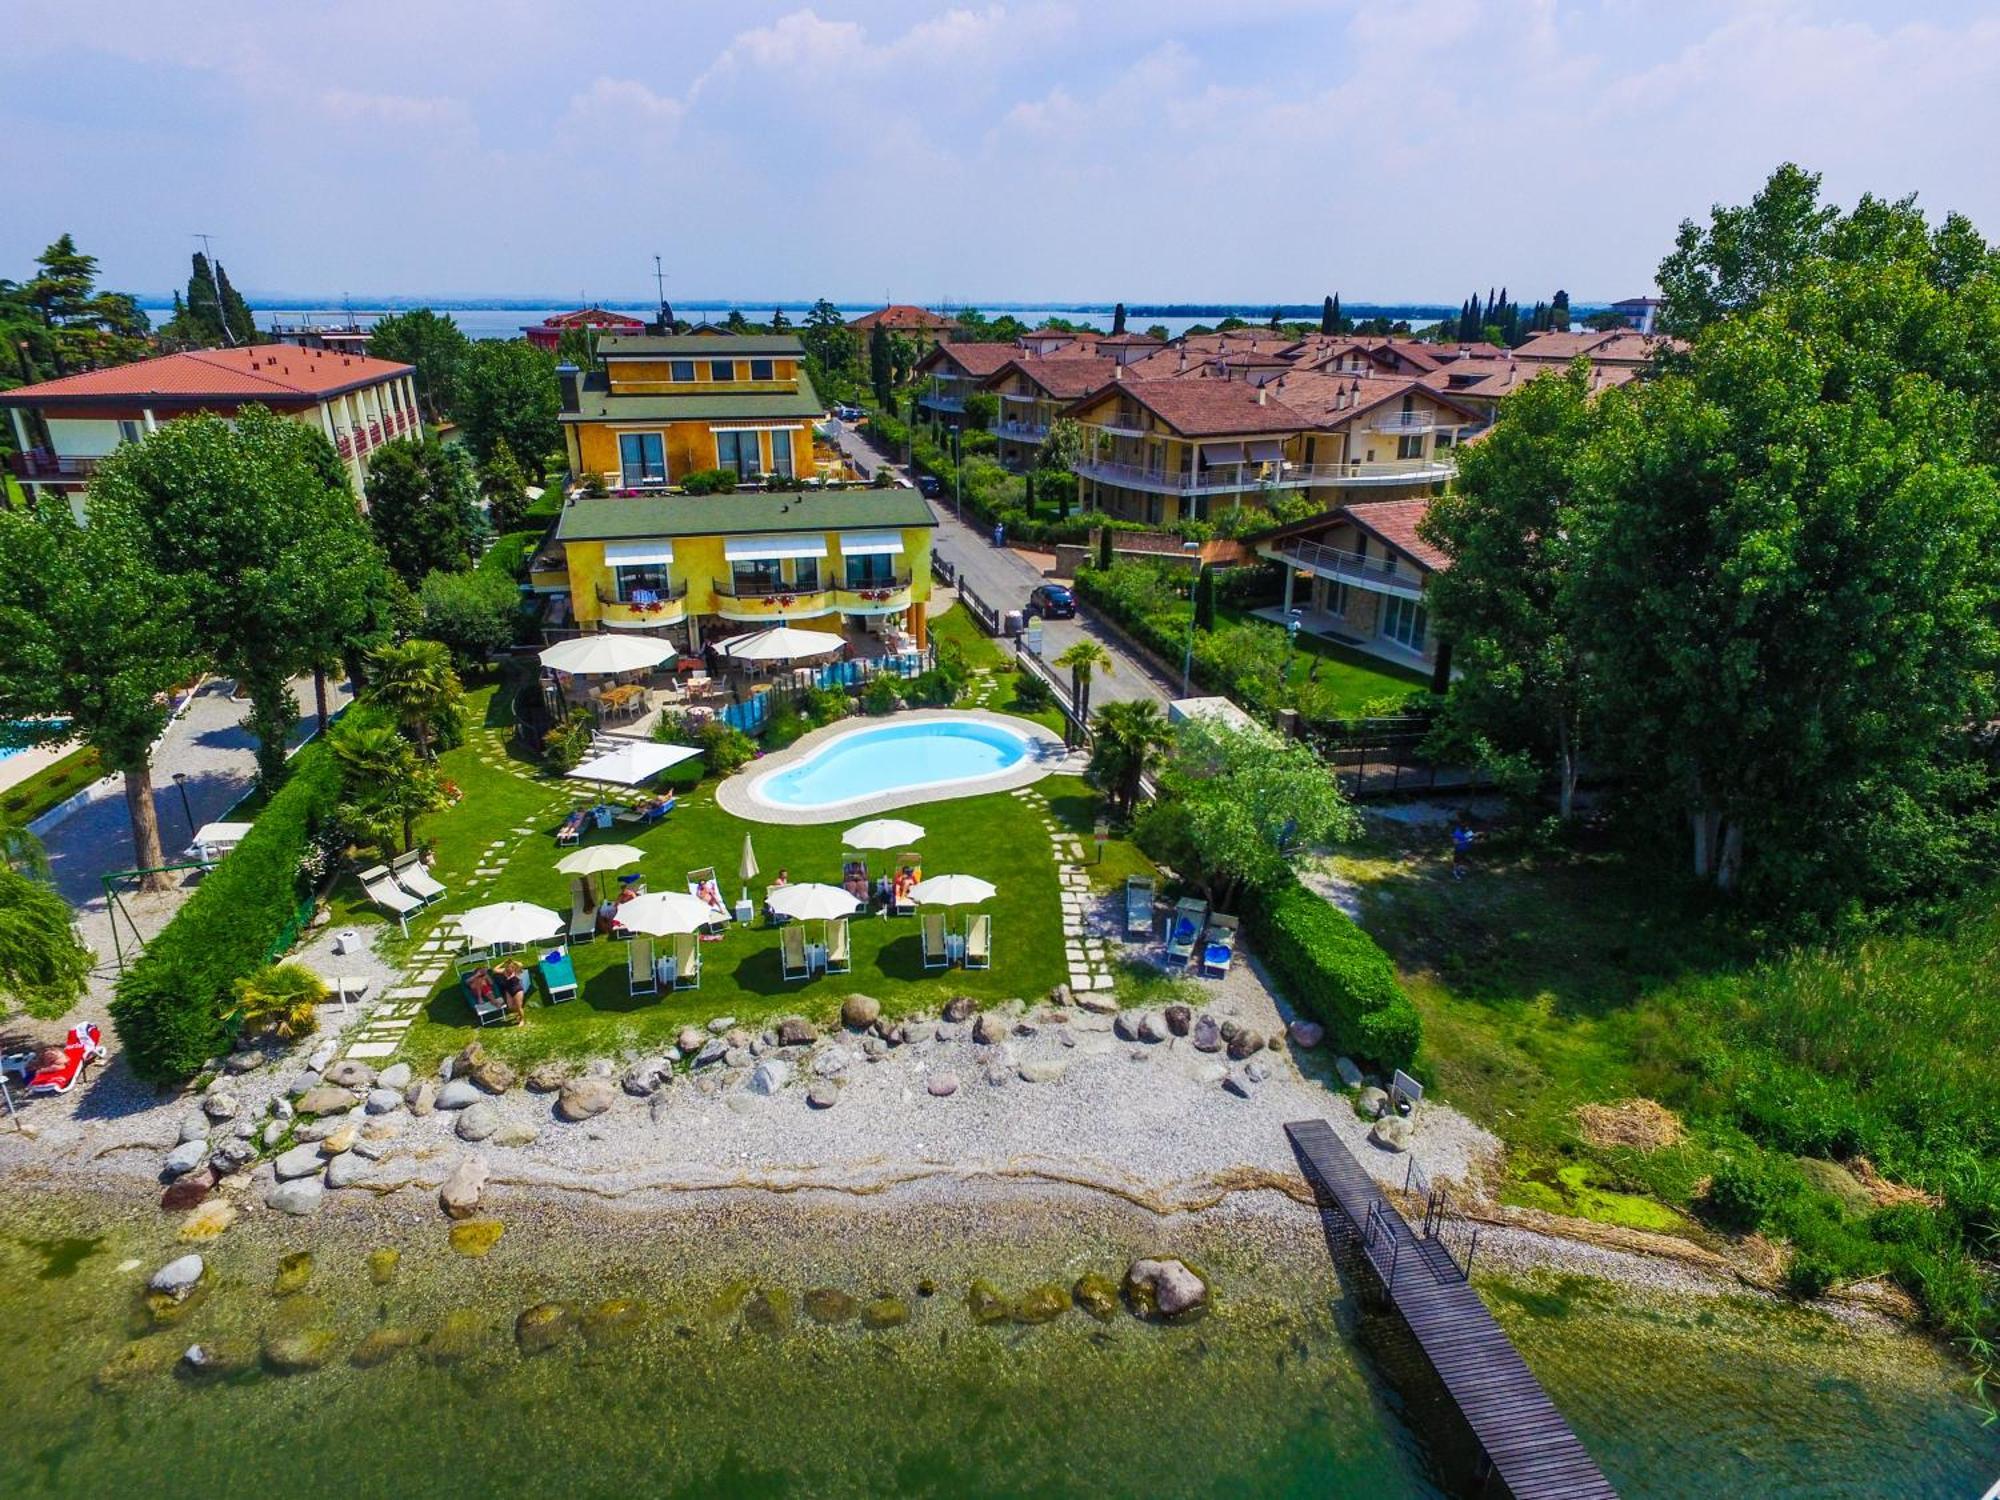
[713, 345]
[745, 513]
[596, 403]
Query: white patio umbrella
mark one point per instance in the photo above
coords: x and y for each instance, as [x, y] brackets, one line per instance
[785, 643]
[951, 890]
[746, 867]
[812, 901]
[664, 913]
[632, 763]
[509, 922]
[882, 833]
[602, 655]
[599, 859]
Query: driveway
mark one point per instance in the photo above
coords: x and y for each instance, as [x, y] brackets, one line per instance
[1003, 578]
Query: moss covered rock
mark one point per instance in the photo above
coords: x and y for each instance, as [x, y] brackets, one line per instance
[770, 1311]
[459, 1335]
[136, 1363]
[543, 1326]
[986, 1303]
[474, 1237]
[1097, 1295]
[1041, 1304]
[382, 1265]
[381, 1346]
[885, 1312]
[826, 1304]
[294, 1271]
[293, 1351]
[613, 1319]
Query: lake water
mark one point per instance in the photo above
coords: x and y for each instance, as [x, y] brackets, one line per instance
[713, 1379]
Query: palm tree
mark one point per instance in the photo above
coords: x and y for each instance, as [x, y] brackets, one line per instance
[1128, 740]
[383, 784]
[1083, 659]
[414, 680]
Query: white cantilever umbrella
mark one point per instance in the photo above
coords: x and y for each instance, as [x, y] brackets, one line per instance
[951, 890]
[811, 901]
[785, 643]
[882, 833]
[599, 859]
[601, 655]
[664, 913]
[632, 762]
[509, 922]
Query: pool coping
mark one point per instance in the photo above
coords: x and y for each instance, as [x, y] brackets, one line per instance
[1047, 755]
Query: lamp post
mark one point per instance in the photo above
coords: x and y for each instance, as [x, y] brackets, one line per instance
[187, 808]
[958, 473]
[1187, 661]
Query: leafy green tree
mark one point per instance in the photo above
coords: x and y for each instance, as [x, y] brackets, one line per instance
[95, 642]
[434, 344]
[422, 504]
[578, 346]
[1062, 446]
[981, 409]
[80, 327]
[828, 339]
[472, 612]
[1128, 740]
[1083, 661]
[507, 391]
[61, 289]
[779, 322]
[504, 488]
[415, 682]
[44, 965]
[736, 322]
[1745, 252]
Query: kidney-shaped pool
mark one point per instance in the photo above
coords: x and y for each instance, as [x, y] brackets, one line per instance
[911, 760]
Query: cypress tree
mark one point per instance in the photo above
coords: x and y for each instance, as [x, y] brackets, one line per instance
[1341, 322]
[1204, 598]
[1118, 318]
[1559, 311]
[238, 326]
[204, 307]
[1274, 318]
[778, 320]
[1104, 547]
[1329, 320]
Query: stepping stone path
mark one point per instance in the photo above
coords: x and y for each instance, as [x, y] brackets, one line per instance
[1088, 957]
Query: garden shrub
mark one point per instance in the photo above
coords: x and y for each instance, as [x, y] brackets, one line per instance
[825, 705]
[509, 554]
[175, 1003]
[568, 742]
[1032, 693]
[724, 747]
[1808, 1274]
[1741, 1195]
[709, 482]
[280, 1001]
[783, 725]
[1336, 973]
[881, 695]
[473, 612]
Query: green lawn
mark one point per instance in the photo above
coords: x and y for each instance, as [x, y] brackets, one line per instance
[1335, 681]
[992, 836]
[28, 799]
[957, 626]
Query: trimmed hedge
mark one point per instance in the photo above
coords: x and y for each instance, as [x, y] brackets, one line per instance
[1336, 973]
[174, 1004]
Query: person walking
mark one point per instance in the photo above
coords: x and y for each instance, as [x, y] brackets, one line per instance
[1461, 846]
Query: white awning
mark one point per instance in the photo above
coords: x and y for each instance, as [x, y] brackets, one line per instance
[636, 554]
[1266, 451]
[865, 543]
[790, 426]
[766, 549]
[1221, 453]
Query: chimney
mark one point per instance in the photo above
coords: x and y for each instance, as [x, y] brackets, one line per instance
[1263, 396]
[568, 379]
[1183, 356]
[1117, 372]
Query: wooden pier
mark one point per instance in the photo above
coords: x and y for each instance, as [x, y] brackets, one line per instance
[1525, 1439]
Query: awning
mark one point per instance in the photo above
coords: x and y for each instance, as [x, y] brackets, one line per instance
[1221, 453]
[867, 543]
[1266, 451]
[637, 554]
[767, 549]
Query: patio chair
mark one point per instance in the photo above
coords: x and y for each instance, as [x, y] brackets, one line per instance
[687, 961]
[1184, 931]
[411, 874]
[979, 941]
[640, 979]
[854, 880]
[582, 911]
[839, 955]
[792, 952]
[83, 1046]
[1218, 947]
[1139, 906]
[558, 975]
[936, 954]
[487, 1009]
[391, 897]
[703, 886]
[572, 828]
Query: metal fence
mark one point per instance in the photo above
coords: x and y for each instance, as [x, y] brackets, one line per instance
[749, 713]
[1386, 758]
[987, 616]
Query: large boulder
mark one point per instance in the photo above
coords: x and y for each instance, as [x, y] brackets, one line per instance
[1307, 1034]
[990, 1029]
[797, 1031]
[326, 1100]
[351, 1074]
[546, 1077]
[231, 1156]
[1041, 1304]
[383, 1101]
[347, 1169]
[478, 1121]
[185, 1157]
[1153, 1027]
[860, 1011]
[1043, 1069]
[543, 1326]
[491, 1075]
[1097, 1295]
[459, 1194]
[177, 1279]
[395, 1076]
[300, 1196]
[824, 1094]
[421, 1097]
[459, 1093]
[1179, 1018]
[770, 1075]
[1245, 1043]
[1371, 1102]
[1348, 1071]
[1391, 1133]
[986, 1303]
[1166, 1286]
[220, 1106]
[691, 1039]
[959, 1008]
[1206, 1034]
[300, 1161]
[585, 1098]
[644, 1078]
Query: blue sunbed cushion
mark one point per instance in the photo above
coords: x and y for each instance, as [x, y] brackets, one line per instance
[1184, 931]
[1218, 953]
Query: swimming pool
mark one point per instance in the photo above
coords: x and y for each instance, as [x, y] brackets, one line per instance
[911, 759]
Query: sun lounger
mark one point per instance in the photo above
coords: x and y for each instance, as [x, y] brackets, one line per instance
[572, 828]
[979, 942]
[936, 954]
[582, 911]
[1139, 906]
[647, 814]
[839, 957]
[640, 977]
[703, 886]
[1184, 931]
[392, 898]
[411, 874]
[792, 952]
[491, 1008]
[558, 975]
[1218, 947]
[83, 1046]
[687, 961]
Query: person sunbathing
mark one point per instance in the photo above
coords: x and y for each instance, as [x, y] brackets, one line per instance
[479, 984]
[514, 991]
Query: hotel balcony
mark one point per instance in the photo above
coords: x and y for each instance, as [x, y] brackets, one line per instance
[1216, 479]
[1348, 567]
[762, 600]
[880, 596]
[1407, 421]
[51, 466]
[1020, 432]
[935, 400]
[648, 607]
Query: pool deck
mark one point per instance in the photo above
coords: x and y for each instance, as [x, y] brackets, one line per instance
[1047, 755]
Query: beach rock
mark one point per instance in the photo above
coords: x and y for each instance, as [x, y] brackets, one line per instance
[294, 1272]
[469, 1057]
[177, 1279]
[1348, 1072]
[737, 1039]
[990, 1029]
[297, 1350]
[796, 1031]
[340, 1139]
[950, 1031]
[1371, 1102]
[1153, 1028]
[643, 1079]
[832, 1062]
[874, 1048]
[382, 1101]
[915, 1032]
[1126, 1027]
[1257, 1070]
[326, 1100]
[185, 1158]
[302, 1083]
[459, 1194]
[722, 1024]
[381, 1346]
[188, 1192]
[1240, 1083]
[349, 1073]
[459, 1093]
[395, 1076]
[301, 1196]
[585, 1098]
[1041, 1304]
[1043, 1070]
[824, 1094]
[691, 1039]
[220, 1107]
[382, 1265]
[543, 1326]
[230, 1157]
[477, 1121]
[300, 1161]
[323, 1054]
[208, 1220]
[1166, 1287]
[244, 1062]
[860, 1011]
[1306, 1034]
[769, 1312]
[1245, 1043]
[220, 1357]
[1391, 1133]
[737, 1057]
[193, 1128]
[613, 1319]
[324, 1128]
[959, 1008]
[885, 1312]
[942, 1085]
[348, 1168]
[272, 1133]
[515, 1133]
[986, 1304]
[1230, 1026]
[492, 1076]
[713, 1051]
[280, 1109]
[770, 1075]
[1205, 1034]
[1060, 997]
[458, 1335]
[475, 1237]
[1179, 1018]
[546, 1077]
[1097, 1002]
[421, 1097]
[1097, 1295]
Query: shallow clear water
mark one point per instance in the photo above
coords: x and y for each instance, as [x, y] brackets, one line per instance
[891, 758]
[1289, 1387]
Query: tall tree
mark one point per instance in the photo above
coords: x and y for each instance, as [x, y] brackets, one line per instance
[504, 488]
[433, 343]
[1204, 598]
[44, 965]
[1118, 318]
[1127, 743]
[202, 315]
[414, 680]
[1083, 661]
[1329, 320]
[779, 322]
[1745, 252]
[507, 390]
[422, 504]
[238, 325]
[61, 289]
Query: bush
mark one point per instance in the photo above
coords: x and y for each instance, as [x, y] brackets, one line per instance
[472, 613]
[825, 705]
[1808, 1274]
[568, 741]
[724, 747]
[174, 1005]
[1741, 1195]
[279, 1001]
[881, 696]
[1336, 973]
[709, 482]
[1032, 693]
[783, 725]
[509, 554]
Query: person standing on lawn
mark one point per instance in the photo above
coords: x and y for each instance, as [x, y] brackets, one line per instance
[1461, 845]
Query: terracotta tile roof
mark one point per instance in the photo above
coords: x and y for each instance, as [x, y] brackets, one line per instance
[1064, 376]
[1128, 338]
[592, 317]
[901, 315]
[1563, 346]
[1490, 379]
[263, 372]
[976, 360]
[1332, 400]
[1209, 408]
[1395, 522]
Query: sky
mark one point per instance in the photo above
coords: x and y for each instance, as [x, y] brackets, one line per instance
[1022, 150]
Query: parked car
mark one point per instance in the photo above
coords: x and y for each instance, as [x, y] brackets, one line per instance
[928, 485]
[848, 413]
[1052, 602]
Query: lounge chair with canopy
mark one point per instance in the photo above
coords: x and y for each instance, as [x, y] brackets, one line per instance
[1218, 945]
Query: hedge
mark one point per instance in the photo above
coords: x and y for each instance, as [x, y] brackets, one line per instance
[1336, 973]
[174, 1004]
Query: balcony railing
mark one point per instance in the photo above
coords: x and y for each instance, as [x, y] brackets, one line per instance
[667, 593]
[1406, 421]
[1019, 432]
[1349, 567]
[1223, 479]
[768, 588]
[938, 401]
[51, 466]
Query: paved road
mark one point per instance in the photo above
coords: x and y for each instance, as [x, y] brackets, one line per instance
[1003, 578]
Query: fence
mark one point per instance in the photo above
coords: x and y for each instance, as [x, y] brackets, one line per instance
[1076, 731]
[1386, 758]
[987, 616]
[944, 570]
[749, 713]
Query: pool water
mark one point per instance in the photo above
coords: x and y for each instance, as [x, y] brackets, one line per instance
[894, 758]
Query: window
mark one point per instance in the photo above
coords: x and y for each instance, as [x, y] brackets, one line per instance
[1154, 510]
[128, 431]
[1404, 621]
[871, 570]
[1410, 445]
[1444, 437]
[805, 574]
[642, 459]
[680, 369]
[781, 453]
[760, 576]
[738, 451]
[760, 369]
[634, 578]
[722, 369]
[1194, 507]
[1336, 599]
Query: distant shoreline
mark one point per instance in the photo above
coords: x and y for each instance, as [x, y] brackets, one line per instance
[1257, 311]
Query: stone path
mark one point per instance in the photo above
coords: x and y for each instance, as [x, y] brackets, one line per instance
[1088, 954]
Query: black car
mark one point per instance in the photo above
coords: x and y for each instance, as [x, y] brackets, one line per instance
[928, 486]
[1052, 602]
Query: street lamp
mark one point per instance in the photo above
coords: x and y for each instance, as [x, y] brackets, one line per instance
[187, 808]
[1187, 661]
[958, 473]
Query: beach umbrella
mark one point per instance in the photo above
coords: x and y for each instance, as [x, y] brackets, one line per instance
[509, 922]
[603, 655]
[785, 643]
[664, 913]
[812, 901]
[881, 833]
[746, 867]
[599, 859]
[951, 890]
[632, 762]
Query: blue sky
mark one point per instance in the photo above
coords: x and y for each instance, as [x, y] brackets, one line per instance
[1080, 149]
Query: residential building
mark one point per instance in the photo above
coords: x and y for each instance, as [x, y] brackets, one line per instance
[1641, 314]
[1481, 384]
[347, 335]
[548, 333]
[1357, 574]
[1033, 392]
[1615, 347]
[1125, 348]
[65, 427]
[664, 406]
[693, 568]
[913, 322]
[951, 372]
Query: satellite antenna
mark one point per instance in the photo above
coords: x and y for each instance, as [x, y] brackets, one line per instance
[216, 281]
